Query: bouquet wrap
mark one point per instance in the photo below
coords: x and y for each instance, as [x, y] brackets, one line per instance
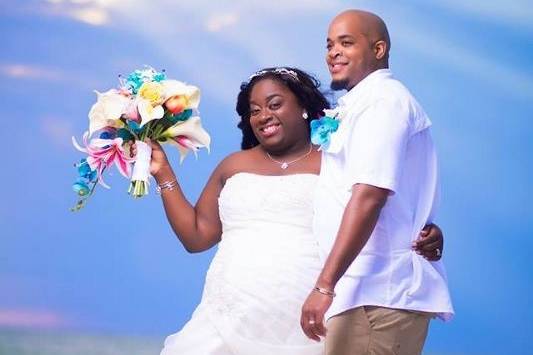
[141, 167]
[141, 170]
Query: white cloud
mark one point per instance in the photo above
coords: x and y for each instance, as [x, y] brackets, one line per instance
[445, 50]
[511, 80]
[217, 22]
[92, 15]
[220, 43]
[32, 72]
[92, 12]
[187, 35]
[516, 13]
[23, 71]
[29, 318]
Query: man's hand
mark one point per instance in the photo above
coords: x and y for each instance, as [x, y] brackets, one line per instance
[313, 310]
[430, 243]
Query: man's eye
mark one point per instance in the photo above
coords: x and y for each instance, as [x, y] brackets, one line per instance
[346, 43]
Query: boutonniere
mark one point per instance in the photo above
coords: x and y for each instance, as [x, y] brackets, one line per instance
[322, 128]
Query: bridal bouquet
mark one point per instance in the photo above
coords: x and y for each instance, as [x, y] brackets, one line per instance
[146, 105]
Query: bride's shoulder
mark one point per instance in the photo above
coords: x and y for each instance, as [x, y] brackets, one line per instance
[241, 161]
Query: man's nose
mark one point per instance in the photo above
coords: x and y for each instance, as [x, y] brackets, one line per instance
[334, 52]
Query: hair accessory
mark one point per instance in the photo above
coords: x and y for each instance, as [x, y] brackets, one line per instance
[279, 71]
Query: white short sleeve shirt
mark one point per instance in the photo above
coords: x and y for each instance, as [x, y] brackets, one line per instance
[383, 140]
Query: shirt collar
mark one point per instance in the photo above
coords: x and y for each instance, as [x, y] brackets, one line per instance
[351, 96]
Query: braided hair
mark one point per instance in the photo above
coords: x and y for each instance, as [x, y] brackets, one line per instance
[304, 86]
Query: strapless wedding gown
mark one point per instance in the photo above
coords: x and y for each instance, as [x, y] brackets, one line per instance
[265, 267]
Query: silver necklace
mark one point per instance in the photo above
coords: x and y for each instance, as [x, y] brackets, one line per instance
[285, 164]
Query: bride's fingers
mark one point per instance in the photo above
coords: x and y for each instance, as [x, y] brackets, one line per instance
[156, 145]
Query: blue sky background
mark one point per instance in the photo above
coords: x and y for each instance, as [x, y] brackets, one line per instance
[116, 268]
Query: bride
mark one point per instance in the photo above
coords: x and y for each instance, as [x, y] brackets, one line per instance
[257, 206]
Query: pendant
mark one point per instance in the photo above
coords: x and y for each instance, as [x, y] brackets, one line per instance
[284, 165]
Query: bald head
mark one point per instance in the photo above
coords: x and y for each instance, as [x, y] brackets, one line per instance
[368, 24]
[358, 44]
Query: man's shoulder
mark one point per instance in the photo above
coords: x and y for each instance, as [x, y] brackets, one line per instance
[391, 90]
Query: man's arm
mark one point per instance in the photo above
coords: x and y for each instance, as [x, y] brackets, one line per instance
[358, 221]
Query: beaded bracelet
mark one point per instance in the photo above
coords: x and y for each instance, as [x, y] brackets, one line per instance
[167, 185]
[325, 291]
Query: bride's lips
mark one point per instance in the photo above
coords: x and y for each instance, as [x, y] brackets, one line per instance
[270, 130]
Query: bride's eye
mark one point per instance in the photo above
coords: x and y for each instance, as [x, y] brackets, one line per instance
[274, 105]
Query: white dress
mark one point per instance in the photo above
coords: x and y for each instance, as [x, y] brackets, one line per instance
[265, 266]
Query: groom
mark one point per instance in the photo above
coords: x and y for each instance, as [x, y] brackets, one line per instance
[377, 189]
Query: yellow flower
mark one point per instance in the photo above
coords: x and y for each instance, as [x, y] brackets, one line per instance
[152, 92]
[149, 100]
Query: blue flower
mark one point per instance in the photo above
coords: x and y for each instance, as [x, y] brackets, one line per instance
[134, 81]
[125, 134]
[107, 135]
[137, 78]
[84, 170]
[321, 130]
[134, 126]
[159, 77]
[80, 187]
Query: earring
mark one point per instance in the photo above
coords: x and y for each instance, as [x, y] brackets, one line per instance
[305, 115]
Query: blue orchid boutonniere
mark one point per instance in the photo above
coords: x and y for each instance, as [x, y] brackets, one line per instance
[322, 129]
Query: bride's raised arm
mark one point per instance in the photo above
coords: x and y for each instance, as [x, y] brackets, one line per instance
[198, 227]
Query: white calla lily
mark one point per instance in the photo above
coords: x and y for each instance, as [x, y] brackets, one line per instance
[149, 112]
[107, 110]
[187, 136]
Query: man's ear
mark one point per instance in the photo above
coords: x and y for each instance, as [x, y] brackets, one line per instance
[380, 48]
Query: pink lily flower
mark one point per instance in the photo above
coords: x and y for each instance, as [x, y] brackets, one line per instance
[103, 153]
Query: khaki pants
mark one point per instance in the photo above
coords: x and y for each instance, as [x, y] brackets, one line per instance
[373, 330]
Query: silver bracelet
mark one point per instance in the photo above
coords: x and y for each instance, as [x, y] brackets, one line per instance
[325, 291]
[167, 185]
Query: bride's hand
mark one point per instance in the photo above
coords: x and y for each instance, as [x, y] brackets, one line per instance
[159, 164]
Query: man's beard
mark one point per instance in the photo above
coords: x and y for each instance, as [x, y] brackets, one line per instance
[337, 85]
